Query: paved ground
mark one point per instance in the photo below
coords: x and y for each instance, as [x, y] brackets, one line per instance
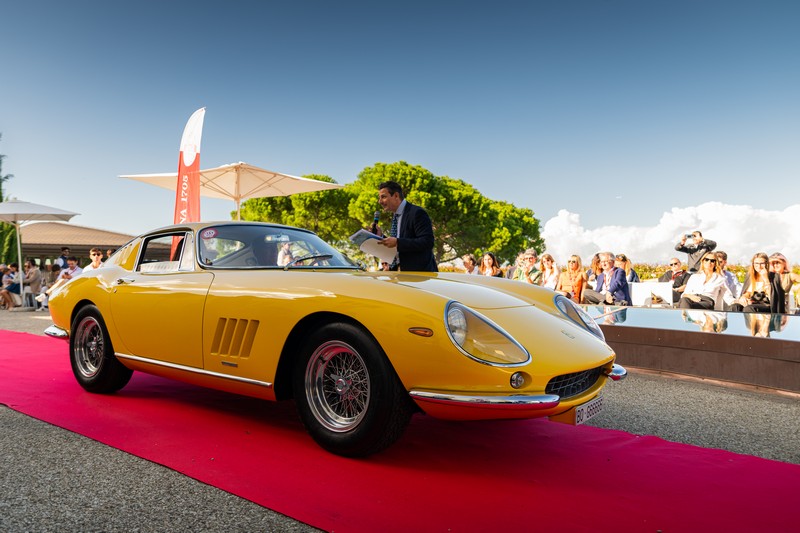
[55, 480]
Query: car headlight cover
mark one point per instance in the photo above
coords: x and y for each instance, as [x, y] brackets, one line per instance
[481, 339]
[576, 314]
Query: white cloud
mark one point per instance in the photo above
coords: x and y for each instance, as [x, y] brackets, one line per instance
[740, 230]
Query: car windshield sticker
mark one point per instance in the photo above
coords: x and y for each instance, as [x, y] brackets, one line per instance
[209, 233]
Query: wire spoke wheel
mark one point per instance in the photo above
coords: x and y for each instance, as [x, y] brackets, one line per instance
[89, 347]
[92, 355]
[337, 386]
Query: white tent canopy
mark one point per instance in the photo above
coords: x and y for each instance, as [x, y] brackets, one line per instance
[17, 212]
[240, 181]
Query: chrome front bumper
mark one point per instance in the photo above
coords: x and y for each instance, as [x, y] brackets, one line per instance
[57, 333]
[510, 402]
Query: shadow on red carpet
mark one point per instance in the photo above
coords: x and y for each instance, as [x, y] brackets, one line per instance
[441, 476]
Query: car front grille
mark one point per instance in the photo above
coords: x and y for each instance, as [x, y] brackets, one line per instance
[569, 385]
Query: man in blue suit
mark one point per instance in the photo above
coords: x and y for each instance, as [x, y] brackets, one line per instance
[411, 233]
[612, 287]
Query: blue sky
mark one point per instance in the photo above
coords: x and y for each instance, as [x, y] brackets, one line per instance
[619, 112]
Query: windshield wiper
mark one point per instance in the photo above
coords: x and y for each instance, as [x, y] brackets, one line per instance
[306, 258]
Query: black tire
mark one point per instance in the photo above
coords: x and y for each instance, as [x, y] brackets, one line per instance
[348, 395]
[92, 356]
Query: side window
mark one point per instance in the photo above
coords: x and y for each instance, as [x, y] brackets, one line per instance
[162, 253]
[187, 259]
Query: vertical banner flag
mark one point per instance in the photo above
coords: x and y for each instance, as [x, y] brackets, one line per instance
[187, 195]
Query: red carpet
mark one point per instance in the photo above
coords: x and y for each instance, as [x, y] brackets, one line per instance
[498, 476]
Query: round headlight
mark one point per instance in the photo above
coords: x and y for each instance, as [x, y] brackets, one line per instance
[457, 324]
[481, 339]
[577, 315]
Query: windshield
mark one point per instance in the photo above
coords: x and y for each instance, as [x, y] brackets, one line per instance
[259, 246]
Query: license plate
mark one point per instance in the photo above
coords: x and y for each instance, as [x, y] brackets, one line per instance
[588, 410]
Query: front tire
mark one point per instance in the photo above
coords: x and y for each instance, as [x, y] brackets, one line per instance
[348, 395]
[92, 356]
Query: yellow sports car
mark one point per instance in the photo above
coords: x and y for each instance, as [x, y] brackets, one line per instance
[274, 312]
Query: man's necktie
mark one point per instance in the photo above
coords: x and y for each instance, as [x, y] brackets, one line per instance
[393, 233]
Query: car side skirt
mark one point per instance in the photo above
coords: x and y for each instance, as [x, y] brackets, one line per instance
[199, 376]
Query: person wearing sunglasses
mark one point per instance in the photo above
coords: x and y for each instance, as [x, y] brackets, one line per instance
[96, 256]
[782, 279]
[695, 248]
[573, 280]
[706, 289]
[677, 276]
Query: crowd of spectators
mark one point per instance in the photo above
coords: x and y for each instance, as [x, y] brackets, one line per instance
[704, 283]
[40, 281]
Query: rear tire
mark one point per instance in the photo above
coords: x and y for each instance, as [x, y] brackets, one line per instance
[347, 393]
[92, 356]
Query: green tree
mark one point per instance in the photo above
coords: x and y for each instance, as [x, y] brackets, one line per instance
[8, 237]
[464, 221]
[323, 212]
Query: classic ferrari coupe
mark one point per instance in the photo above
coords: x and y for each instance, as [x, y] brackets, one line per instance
[274, 312]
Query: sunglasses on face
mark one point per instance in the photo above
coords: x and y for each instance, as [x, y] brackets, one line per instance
[674, 264]
[708, 259]
[97, 254]
[572, 261]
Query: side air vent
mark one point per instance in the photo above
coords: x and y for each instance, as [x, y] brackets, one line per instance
[234, 337]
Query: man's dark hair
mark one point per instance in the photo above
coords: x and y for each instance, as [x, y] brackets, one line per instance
[722, 255]
[65, 249]
[72, 258]
[393, 188]
[697, 231]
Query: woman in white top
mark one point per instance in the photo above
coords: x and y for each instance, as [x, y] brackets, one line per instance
[550, 272]
[96, 255]
[285, 254]
[706, 287]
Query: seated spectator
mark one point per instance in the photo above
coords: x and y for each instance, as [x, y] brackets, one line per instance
[706, 289]
[730, 280]
[757, 288]
[782, 280]
[470, 264]
[11, 285]
[572, 281]
[611, 287]
[285, 254]
[66, 274]
[677, 276]
[550, 272]
[696, 249]
[594, 268]
[528, 271]
[385, 266]
[519, 263]
[622, 261]
[96, 255]
[490, 266]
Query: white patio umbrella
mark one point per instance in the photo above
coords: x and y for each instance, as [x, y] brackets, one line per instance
[240, 181]
[17, 212]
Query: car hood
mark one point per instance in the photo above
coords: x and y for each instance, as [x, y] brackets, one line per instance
[477, 292]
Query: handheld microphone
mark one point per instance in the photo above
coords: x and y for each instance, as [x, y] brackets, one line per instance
[374, 227]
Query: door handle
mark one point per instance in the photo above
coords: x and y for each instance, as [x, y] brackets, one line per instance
[124, 281]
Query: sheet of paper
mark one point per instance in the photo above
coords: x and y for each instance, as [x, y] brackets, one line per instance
[368, 243]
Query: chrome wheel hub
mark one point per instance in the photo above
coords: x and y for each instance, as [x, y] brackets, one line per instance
[337, 386]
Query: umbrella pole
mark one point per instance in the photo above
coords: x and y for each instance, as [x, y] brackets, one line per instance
[19, 253]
